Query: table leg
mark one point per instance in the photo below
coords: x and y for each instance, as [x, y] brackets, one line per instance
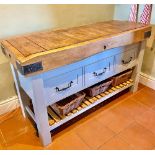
[153, 45]
[137, 69]
[40, 111]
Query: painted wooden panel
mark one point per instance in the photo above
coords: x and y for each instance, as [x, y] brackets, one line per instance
[102, 57]
[61, 86]
[52, 74]
[25, 83]
[92, 59]
[99, 71]
[126, 59]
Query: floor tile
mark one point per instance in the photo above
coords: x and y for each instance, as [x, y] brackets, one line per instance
[25, 141]
[141, 86]
[20, 146]
[1, 148]
[125, 123]
[94, 133]
[149, 90]
[3, 143]
[153, 108]
[114, 103]
[115, 120]
[147, 120]
[138, 137]
[69, 141]
[130, 108]
[106, 117]
[145, 96]
[15, 127]
[121, 98]
[116, 143]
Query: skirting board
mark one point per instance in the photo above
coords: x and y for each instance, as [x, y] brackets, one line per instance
[147, 80]
[9, 105]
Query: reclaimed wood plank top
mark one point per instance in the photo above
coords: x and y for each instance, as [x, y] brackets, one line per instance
[28, 48]
[49, 40]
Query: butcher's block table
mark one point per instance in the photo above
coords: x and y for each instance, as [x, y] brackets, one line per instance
[51, 65]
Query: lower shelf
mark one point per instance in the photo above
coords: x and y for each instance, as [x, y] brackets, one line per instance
[56, 120]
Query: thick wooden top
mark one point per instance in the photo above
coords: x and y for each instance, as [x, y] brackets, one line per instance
[27, 48]
[48, 40]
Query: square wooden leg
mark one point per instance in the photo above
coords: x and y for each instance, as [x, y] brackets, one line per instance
[137, 69]
[40, 111]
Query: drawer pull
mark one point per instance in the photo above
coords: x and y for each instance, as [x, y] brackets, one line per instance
[126, 62]
[99, 74]
[69, 85]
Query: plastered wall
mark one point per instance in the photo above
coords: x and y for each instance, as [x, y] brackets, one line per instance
[21, 19]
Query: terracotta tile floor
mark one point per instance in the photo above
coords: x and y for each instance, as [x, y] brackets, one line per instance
[128, 122]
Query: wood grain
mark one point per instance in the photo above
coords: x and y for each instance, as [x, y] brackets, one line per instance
[65, 46]
[52, 40]
[25, 46]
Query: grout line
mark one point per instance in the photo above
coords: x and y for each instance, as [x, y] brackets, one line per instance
[146, 129]
[101, 144]
[108, 138]
[143, 125]
[117, 134]
[134, 120]
[84, 141]
[149, 108]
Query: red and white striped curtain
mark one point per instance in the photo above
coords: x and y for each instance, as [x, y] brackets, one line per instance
[133, 13]
[145, 16]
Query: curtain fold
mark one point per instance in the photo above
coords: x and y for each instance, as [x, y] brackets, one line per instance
[133, 16]
[145, 17]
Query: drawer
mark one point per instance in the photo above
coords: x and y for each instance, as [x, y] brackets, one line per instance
[126, 59]
[99, 71]
[63, 85]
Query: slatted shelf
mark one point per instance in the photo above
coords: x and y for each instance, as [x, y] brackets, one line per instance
[89, 102]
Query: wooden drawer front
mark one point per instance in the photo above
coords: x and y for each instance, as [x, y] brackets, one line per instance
[99, 71]
[61, 86]
[126, 59]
